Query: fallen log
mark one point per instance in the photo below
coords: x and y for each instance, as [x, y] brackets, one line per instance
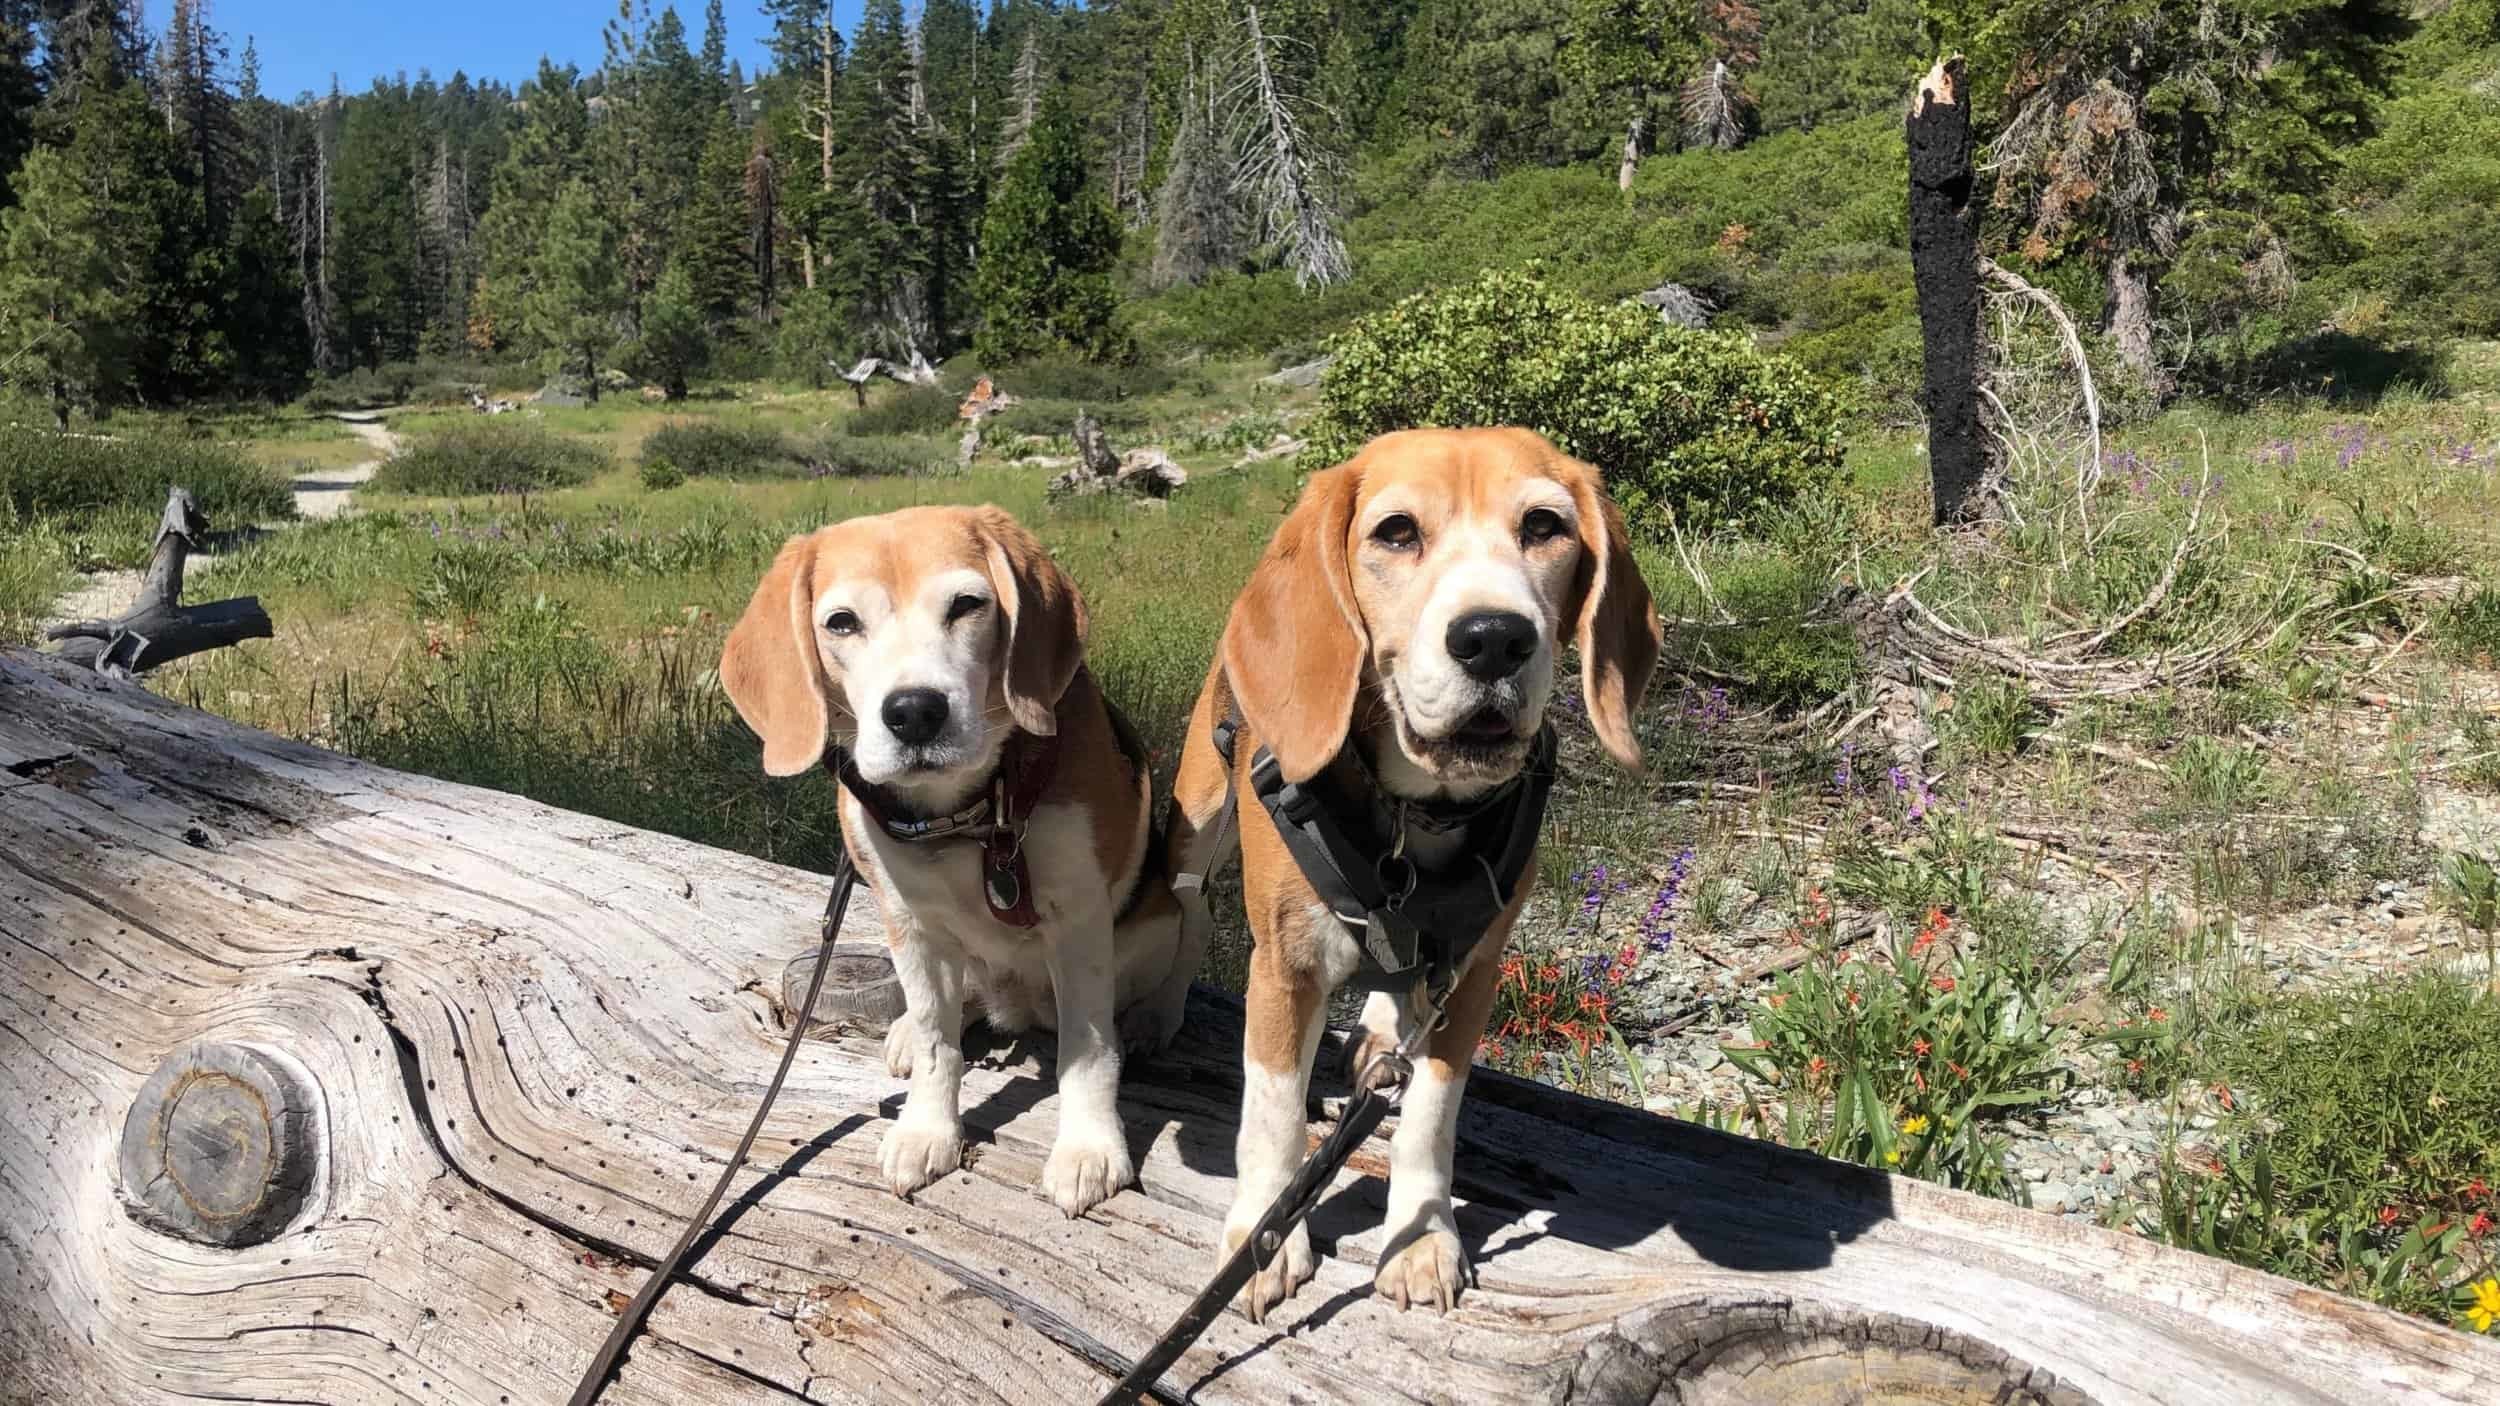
[448, 1066]
[158, 628]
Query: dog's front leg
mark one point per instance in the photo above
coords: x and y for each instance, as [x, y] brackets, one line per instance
[1089, 1158]
[927, 1142]
[1286, 1011]
[1421, 1261]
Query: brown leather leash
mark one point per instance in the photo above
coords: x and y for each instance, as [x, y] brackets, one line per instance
[629, 1323]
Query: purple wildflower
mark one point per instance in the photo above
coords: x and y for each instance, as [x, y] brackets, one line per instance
[1843, 776]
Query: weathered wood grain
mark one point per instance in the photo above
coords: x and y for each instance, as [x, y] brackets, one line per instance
[535, 1034]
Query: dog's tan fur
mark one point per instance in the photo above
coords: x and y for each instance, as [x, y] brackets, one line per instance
[784, 669]
[1313, 652]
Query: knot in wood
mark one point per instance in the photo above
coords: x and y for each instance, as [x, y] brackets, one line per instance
[862, 996]
[1722, 1350]
[221, 1146]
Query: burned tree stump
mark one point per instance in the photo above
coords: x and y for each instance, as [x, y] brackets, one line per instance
[1944, 263]
[158, 628]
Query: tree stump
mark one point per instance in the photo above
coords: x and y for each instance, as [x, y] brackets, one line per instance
[1944, 264]
[159, 628]
[221, 1145]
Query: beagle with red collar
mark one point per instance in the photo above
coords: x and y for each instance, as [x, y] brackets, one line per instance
[991, 796]
[1388, 669]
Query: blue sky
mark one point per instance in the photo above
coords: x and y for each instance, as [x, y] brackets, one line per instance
[303, 42]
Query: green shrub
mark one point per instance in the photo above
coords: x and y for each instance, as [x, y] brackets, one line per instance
[909, 410]
[687, 449]
[1064, 378]
[34, 567]
[834, 454]
[489, 458]
[43, 474]
[2468, 627]
[2367, 1139]
[1698, 423]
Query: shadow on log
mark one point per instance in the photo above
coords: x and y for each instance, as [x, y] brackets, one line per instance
[158, 628]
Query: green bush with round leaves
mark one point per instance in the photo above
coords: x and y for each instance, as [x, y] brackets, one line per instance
[1700, 423]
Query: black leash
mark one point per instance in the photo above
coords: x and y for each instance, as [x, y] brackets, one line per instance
[1379, 1086]
[629, 1323]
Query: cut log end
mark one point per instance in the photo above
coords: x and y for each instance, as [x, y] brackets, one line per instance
[1758, 1353]
[862, 996]
[221, 1146]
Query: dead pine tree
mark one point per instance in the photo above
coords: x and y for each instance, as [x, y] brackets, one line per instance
[1284, 173]
[1944, 262]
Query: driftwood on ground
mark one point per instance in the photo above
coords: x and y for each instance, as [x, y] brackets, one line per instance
[158, 628]
[479, 1056]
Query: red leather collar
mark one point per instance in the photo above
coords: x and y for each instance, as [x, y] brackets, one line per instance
[1025, 767]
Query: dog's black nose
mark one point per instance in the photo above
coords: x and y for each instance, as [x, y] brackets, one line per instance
[914, 715]
[1492, 644]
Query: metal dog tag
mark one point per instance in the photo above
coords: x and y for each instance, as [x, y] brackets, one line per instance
[1005, 892]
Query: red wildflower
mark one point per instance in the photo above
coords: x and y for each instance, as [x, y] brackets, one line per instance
[1816, 1065]
[1958, 1071]
[2135, 1066]
[1549, 972]
[2157, 1015]
[1920, 1048]
[2480, 1226]
[1942, 983]
[2387, 1215]
[2476, 1188]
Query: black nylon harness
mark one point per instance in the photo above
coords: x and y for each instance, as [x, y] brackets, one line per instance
[1418, 927]
[1350, 844]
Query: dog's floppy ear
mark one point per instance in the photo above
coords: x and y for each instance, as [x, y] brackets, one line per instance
[1618, 633]
[1046, 621]
[770, 667]
[1293, 650]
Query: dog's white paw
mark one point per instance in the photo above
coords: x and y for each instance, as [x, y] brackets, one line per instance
[1149, 1026]
[916, 1153]
[1292, 1267]
[1087, 1167]
[900, 1037]
[1429, 1269]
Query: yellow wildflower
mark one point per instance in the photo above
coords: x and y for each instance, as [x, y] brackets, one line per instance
[2486, 1307]
[1915, 1124]
[1894, 1156]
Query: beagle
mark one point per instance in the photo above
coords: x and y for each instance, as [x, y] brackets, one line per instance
[1396, 648]
[994, 800]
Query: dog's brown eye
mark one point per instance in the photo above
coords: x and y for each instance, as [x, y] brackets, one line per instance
[1396, 530]
[1540, 525]
[963, 606]
[842, 622]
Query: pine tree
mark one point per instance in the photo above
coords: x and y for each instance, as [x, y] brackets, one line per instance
[577, 296]
[63, 311]
[550, 150]
[713, 249]
[674, 344]
[21, 90]
[715, 56]
[1198, 221]
[1047, 248]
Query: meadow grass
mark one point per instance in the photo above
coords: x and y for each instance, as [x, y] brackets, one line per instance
[561, 643]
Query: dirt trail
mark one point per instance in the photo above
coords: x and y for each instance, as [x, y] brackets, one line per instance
[319, 496]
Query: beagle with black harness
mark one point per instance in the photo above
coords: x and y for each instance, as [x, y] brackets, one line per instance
[1373, 741]
[933, 658]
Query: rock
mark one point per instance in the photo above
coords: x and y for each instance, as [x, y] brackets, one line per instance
[2088, 1012]
[2035, 1174]
[1677, 305]
[1709, 1059]
[1301, 377]
[2052, 1196]
[2452, 820]
[564, 393]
